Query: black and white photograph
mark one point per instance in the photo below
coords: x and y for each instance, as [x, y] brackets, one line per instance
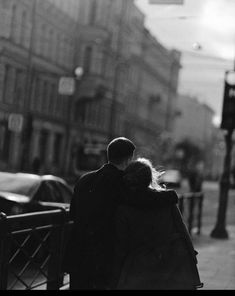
[117, 158]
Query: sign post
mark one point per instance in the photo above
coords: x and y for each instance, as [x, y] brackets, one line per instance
[228, 123]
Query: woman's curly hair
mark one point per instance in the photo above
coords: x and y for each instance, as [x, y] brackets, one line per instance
[140, 173]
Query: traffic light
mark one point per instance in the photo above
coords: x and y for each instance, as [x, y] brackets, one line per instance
[228, 113]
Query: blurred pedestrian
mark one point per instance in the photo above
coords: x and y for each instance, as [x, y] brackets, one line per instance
[89, 252]
[154, 250]
[195, 176]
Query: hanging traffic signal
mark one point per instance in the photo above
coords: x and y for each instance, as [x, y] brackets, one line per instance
[228, 113]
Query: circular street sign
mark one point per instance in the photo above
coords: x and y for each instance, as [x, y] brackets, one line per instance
[66, 86]
[15, 123]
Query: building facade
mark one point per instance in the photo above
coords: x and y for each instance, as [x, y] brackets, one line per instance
[137, 76]
[128, 87]
[37, 45]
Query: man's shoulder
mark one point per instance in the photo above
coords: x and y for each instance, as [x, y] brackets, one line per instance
[85, 178]
[106, 171]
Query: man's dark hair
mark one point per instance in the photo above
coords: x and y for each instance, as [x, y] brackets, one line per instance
[119, 150]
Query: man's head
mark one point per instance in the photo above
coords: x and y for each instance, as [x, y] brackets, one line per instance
[120, 151]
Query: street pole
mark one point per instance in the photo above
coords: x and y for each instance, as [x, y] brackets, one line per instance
[169, 99]
[28, 120]
[220, 229]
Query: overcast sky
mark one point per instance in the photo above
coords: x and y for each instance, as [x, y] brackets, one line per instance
[210, 23]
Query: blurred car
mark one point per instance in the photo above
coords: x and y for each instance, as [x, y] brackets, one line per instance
[24, 193]
[171, 179]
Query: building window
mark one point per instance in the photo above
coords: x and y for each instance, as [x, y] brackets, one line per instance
[44, 97]
[9, 84]
[58, 49]
[57, 148]
[14, 27]
[23, 31]
[51, 44]
[87, 60]
[42, 42]
[93, 12]
[80, 112]
[39, 94]
[20, 87]
[5, 141]
[53, 98]
[43, 145]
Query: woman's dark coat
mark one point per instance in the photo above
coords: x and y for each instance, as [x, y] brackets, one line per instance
[153, 249]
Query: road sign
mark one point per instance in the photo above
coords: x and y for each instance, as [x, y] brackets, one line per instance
[66, 86]
[167, 2]
[15, 123]
[228, 113]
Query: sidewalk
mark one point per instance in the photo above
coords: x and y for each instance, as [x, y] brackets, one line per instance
[216, 259]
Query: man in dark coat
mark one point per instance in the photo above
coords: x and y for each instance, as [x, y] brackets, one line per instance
[90, 250]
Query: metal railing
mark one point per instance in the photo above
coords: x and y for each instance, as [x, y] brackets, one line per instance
[32, 245]
[31, 250]
[191, 205]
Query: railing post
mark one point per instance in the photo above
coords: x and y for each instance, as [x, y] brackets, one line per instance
[56, 245]
[3, 252]
[199, 215]
[191, 212]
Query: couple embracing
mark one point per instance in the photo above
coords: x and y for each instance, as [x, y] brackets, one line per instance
[128, 233]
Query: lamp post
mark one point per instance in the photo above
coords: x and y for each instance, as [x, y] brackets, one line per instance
[69, 86]
[228, 123]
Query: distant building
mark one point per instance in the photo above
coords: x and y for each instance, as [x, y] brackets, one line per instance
[195, 123]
